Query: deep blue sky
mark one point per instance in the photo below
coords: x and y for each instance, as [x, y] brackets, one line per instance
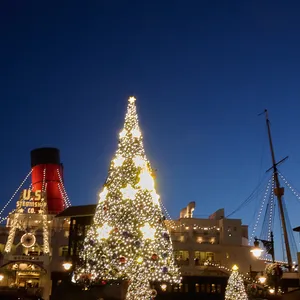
[201, 71]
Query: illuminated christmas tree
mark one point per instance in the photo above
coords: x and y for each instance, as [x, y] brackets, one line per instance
[128, 239]
[235, 289]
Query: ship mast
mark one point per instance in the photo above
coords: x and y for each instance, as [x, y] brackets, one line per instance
[279, 192]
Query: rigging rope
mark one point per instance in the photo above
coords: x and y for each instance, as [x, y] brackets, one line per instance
[16, 191]
[291, 237]
[254, 193]
[293, 190]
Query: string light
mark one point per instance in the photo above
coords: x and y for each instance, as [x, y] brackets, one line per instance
[293, 190]
[64, 190]
[260, 210]
[62, 194]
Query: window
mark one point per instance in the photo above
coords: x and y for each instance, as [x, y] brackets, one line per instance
[181, 255]
[197, 288]
[210, 256]
[203, 256]
[213, 288]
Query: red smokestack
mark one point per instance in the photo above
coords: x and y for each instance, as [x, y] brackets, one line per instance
[48, 159]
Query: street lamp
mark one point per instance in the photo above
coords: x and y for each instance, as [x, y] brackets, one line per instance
[262, 279]
[256, 251]
[67, 265]
[269, 246]
[271, 291]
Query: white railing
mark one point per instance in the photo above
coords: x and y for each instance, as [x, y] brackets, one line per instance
[32, 258]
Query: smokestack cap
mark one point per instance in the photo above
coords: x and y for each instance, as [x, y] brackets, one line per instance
[45, 156]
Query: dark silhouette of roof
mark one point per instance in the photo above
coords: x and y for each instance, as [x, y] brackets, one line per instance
[76, 211]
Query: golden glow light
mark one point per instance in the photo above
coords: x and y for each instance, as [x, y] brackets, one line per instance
[103, 194]
[136, 133]
[271, 291]
[1, 277]
[67, 266]
[262, 279]
[118, 161]
[135, 246]
[155, 197]
[235, 268]
[131, 99]
[104, 231]
[122, 134]
[163, 287]
[256, 252]
[146, 181]
[139, 161]
[148, 231]
[128, 192]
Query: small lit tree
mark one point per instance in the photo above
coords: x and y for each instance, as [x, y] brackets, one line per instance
[235, 289]
[128, 238]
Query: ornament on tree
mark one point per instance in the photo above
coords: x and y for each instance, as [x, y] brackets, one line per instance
[129, 208]
[139, 260]
[126, 234]
[154, 257]
[122, 260]
[153, 293]
[166, 236]
[235, 288]
[137, 244]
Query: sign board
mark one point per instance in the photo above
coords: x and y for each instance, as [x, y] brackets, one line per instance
[31, 201]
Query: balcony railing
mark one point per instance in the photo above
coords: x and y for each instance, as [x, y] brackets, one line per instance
[206, 262]
[181, 262]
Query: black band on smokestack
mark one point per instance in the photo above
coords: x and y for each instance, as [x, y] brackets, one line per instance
[45, 156]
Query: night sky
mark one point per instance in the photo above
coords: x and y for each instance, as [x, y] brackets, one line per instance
[201, 71]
